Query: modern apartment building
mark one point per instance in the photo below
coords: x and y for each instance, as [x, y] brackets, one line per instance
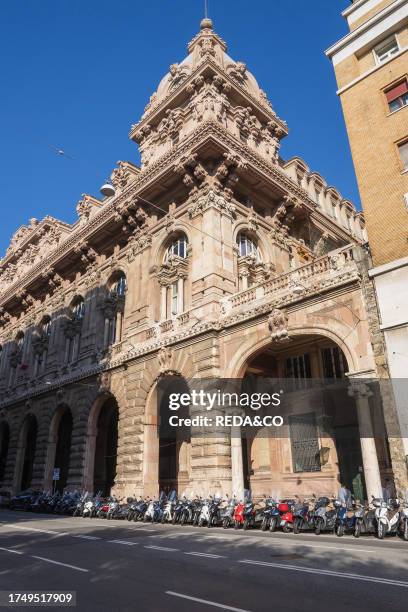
[371, 66]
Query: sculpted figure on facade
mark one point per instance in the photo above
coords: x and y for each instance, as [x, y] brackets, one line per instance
[278, 325]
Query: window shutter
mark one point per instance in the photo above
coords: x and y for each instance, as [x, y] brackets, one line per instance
[397, 91]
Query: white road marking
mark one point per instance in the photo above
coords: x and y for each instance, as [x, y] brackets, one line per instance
[59, 533]
[311, 570]
[79, 569]
[87, 537]
[162, 548]
[205, 601]
[123, 542]
[16, 552]
[200, 554]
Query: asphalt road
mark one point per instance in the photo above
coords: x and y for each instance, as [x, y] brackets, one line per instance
[121, 566]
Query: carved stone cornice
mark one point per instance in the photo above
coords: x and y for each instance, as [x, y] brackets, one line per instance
[270, 172]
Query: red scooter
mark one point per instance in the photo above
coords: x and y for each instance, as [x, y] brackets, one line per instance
[286, 515]
[238, 517]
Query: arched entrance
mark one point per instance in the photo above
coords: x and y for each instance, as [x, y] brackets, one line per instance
[319, 445]
[166, 449]
[63, 448]
[106, 445]
[29, 443]
[4, 446]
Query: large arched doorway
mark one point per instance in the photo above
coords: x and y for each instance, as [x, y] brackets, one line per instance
[63, 449]
[4, 446]
[29, 437]
[319, 445]
[106, 445]
[166, 451]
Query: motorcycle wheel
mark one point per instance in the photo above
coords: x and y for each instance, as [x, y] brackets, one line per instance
[135, 518]
[272, 525]
[246, 524]
[380, 531]
[296, 526]
[174, 520]
[318, 528]
[201, 522]
[76, 512]
[145, 519]
[286, 528]
[163, 519]
[129, 516]
[225, 523]
[183, 519]
[236, 524]
[109, 517]
[357, 530]
[406, 531]
[340, 530]
[264, 525]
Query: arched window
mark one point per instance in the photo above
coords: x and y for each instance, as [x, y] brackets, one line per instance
[177, 248]
[78, 308]
[73, 328]
[45, 326]
[172, 277]
[119, 286]
[247, 247]
[114, 309]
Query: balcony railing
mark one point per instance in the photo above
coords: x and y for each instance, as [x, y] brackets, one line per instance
[325, 272]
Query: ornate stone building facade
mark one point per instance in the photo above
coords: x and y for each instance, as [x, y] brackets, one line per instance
[215, 258]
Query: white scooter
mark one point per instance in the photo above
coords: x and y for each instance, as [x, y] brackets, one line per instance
[168, 509]
[205, 513]
[387, 516]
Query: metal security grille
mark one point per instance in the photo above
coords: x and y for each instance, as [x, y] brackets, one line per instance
[334, 363]
[305, 443]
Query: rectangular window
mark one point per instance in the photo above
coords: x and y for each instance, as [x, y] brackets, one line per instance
[403, 151]
[386, 49]
[397, 97]
[174, 298]
[304, 440]
[298, 368]
[334, 364]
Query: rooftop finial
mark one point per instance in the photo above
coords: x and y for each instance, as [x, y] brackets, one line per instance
[206, 23]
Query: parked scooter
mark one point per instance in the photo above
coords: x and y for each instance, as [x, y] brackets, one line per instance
[168, 509]
[403, 525]
[325, 516]
[387, 516]
[286, 515]
[347, 519]
[303, 516]
[270, 515]
[204, 517]
[227, 512]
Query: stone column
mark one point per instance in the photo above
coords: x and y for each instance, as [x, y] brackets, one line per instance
[163, 306]
[237, 468]
[361, 393]
[180, 294]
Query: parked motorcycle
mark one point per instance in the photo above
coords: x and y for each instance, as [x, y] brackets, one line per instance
[325, 516]
[387, 516]
[403, 525]
[168, 509]
[227, 513]
[303, 516]
[286, 515]
[204, 517]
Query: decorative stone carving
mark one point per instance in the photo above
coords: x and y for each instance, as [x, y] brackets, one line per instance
[164, 358]
[278, 326]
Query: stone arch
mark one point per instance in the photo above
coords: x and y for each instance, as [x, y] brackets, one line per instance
[102, 444]
[248, 349]
[59, 447]
[4, 447]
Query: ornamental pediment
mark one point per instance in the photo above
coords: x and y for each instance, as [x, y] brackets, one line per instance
[30, 244]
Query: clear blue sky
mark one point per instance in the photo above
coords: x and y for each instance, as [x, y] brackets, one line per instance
[77, 74]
